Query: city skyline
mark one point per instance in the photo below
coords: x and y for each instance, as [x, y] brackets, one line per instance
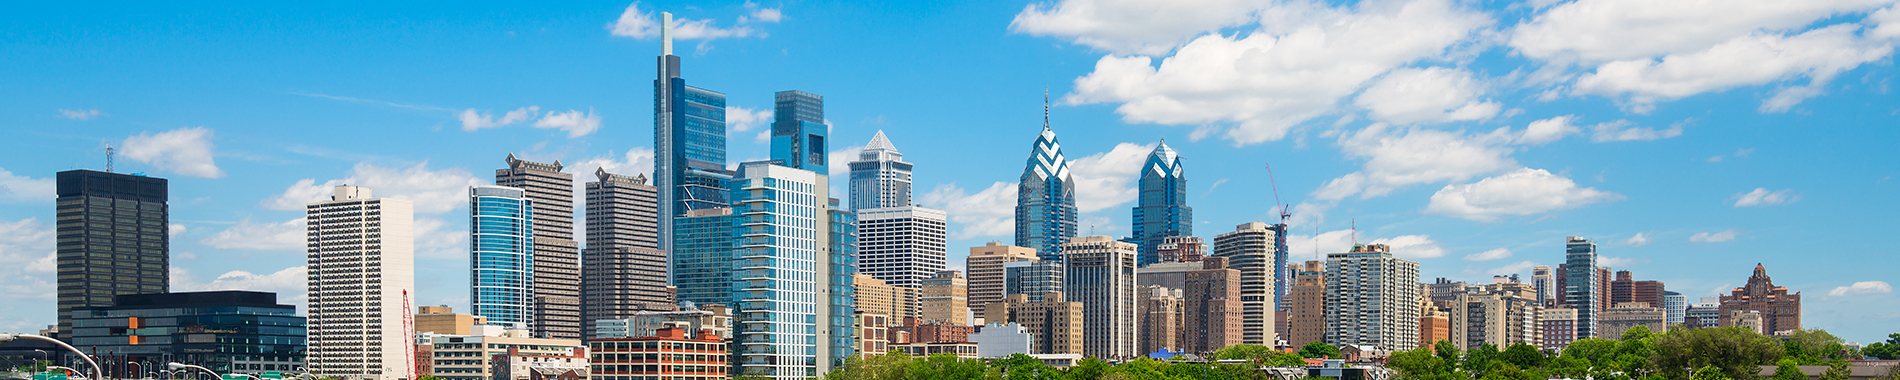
[1714, 179]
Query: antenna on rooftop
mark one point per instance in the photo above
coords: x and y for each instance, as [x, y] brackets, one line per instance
[108, 159]
[1355, 232]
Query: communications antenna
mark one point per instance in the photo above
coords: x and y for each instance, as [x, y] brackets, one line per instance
[108, 159]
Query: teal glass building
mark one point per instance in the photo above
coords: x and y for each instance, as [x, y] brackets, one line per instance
[1045, 198]
[501, 256]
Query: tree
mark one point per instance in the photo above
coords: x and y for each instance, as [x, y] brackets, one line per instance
[1837, 370]
[1523, 356]
[1422, 364]
[1888, 350]
[1481, 360]
[1788, 369]
[1735, 351]
[1446, 351]
[1813, 346]
[1024, 367]
[1244, 352]
[1710, 373]
[1317, 350]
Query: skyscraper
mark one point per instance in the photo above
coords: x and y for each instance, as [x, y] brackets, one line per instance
[784, 281]
[557, 258]
[838, 265]
[689, 141]
[1163, 210]
[799, 130]
[902, 245]
[624, 271]
[113, 239]
[1545, 283]
[1371, 299]
[1099, 272]
[985, 264]
[1253, 248]
[1779, 310]
[702, 256]
[1045, 197]
[880, 178]
[501, 256]
[362, 271]
[1159, 311]
[1308, 305]
[1581, 284]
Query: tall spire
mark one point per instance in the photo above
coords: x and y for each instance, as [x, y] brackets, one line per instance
[666, 33]
[1045, 108]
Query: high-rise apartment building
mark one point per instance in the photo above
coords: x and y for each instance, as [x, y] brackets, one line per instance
[902, 245]
[893, 302]
[1211, 307]
[702, 256]
[1674, 305]
[689, 142]
[1160, 311]
[1581, 284]
[113, 239]
[785, 286]
[557, 257]
[1546, 284]
[1497, 314]
[1099, 272]
[1056, 323]
[880, 178]
[1625, 288]
[1308, 310]
[1162, 209]
[1371, 299]
[1033, 278]
[623, 272]
[1560, 328]
[1255, 250]
[985, 264]
[361, 262]
[1779, 310]
[1045, 197]
[501, 256]
[841, 265]
[946, 299]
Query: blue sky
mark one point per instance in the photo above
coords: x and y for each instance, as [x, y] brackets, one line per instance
[1689, 142]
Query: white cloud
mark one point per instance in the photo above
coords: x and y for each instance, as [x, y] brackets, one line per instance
[1108, 179]
[1716, 237]
[1524, 191]
[1752, 59]
[174, 230]
[839, 163]
[1500, 253]
[1514, 268]
[1409, 247]
[436, 239]
[741, 119]
[761, 14]
[634, 23]
[186, 151]
[1621, 131]
[432, 191]
[247, 235]
[288, 283]
[1305, 247]
[1618, 262]
[1863, 287]
[1132, 26]
[28, 246]
[1412, 247]
[987, 213]
[26, 189]
[1547, 130]
[1216, 185]
[1429, 95]
[575, 122]
[473, 120]
[1608, 30]
[1414, 156]
[1297, 65]
[642, 25]
[1638, 240]
[1761, 196]
[82, 115]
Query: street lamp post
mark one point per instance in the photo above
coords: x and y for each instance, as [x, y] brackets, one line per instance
[140, 371]
[96, 373]
[183, 366]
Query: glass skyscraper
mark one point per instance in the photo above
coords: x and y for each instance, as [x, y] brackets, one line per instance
[1163, 209]
[1045, 197]
[799, 130]
[843, 307]
[501, 255]
[780, 259]
[689, 141]
[880, 178]
[702, 256]
[1582, 288]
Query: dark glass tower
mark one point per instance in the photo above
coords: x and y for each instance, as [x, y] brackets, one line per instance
[1581, 289]
[1045, 198]
[113, 239]
[1163, 209]
[799, 131]
[689, 141]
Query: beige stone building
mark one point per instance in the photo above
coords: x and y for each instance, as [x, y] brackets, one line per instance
[875, 296]
[1055, 323]
[1211, 309]
[1099, 272]
[946, 299]
[1309, 305]
[474, 357]
[443, 320]
[1627, 315]
[1161, 317]
[1499, 314]
[985, 264]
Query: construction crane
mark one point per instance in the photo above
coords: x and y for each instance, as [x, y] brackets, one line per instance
[1285, 209]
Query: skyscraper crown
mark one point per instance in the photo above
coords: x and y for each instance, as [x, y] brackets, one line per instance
[1164, 161]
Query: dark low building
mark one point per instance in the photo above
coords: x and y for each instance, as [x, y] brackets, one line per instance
[226, 331]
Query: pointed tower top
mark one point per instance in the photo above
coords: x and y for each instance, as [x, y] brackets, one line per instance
[1045, 108]
[878, 141]
[666, 33]
[1760, 271]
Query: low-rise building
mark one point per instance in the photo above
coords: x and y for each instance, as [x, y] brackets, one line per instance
[964, 350]
[670, 354]
[1056, 323]
[715, 319]
[1627, 315]
[998, 340]
[871, 333]
[444, 320]
[226, 331]
[460, 357]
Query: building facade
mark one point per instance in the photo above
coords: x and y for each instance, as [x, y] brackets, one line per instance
[799, 132]
[1308, 309]
[902, 245]
[1161, 210]
[880, 178]
[785, 286]
[226, 331]
[501, 256]
[1160, 316]
[1546, 284]
[1706, 313]
[509, 356]
[557, 257]
[1000, 340]
[1498, 314]
[1674, 306]
[1617, 320]
[695, 319]
[114, 239]
[1371, 299]
[1625, 288]
[985, 264]
[1099, 272]
[1056, 323]
[623, 271]
[1033, 278]
[1560, 328]
[689, 141]
[1255, 250]
[946, 299]
[1433, 325]
[1183, 249]
[361, 262]
[1581, 283]
[1211, 308]
[1780, 311]
[672, 353]
[1045, 197]
[876, 296]
[702, 256]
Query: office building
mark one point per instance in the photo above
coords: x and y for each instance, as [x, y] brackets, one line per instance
[1161, 210]
[1033, 278]
[1581, 284]
[880, 178]
[702, 256]
[226, 331]
[695, 319]
[1500, 314]
[1308, 310]
[1674, 305]
[1616, 320]
[799, 131]
[901, 245]
[512, 355]
[1546, 284]
[1780, 311]
[623, 272]
[444, 320]
[1181, 249]
[786, 288]
[689, 142]
[1160, 311]
[1056, 323]
[501, 256]
[1099, 272]
[1706, 313]
[1000, 340]
[985, 264]
[556, 268]
[113, 239]
[1371, 299]
[1625, 288]
[671, 353]
[876, 296]
[1045, 197]
[946, 299]
[362, 275]
[1560, 328]
[1211, 309]
[1255, 249]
